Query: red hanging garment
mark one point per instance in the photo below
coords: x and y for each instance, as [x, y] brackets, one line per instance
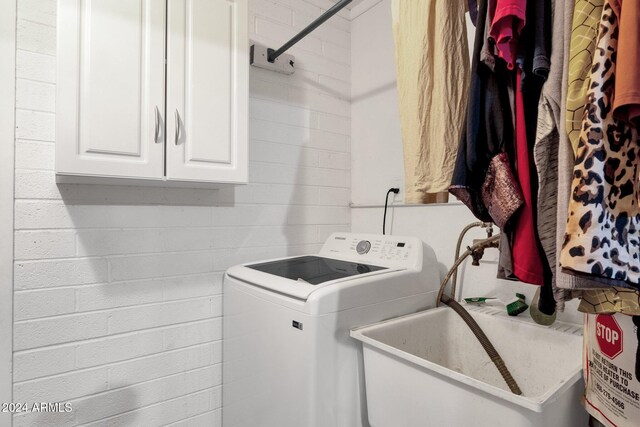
[527, 262]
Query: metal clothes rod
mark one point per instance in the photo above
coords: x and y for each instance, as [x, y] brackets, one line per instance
[274, 54]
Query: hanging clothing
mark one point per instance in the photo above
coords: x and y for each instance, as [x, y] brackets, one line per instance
[541, 62]
[550, 135]
[584, 31]
[602, 236]
[508, 22]
[472, 5]
[488, 52]
[527, 263]
[624, 100]
[566, 158]
[488, 131]
[505, 260]
[531, 57]
[500, 190]
[488, 55]
[611, 301]
[490, 139]
[432, 60]
[626, 104]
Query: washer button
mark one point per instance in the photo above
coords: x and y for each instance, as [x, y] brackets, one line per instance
[363, 247]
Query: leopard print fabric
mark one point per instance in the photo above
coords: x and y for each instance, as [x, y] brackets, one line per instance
[602, 232]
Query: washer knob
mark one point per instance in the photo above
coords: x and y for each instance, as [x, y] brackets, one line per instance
[363, 247]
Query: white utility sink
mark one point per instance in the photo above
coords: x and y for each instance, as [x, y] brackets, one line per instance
[428, 369]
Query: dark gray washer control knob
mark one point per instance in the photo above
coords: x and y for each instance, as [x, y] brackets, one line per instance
[363, 247]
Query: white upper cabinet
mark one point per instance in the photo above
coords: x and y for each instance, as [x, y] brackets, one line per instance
[152, 91]
[110, 93]
[207, 90]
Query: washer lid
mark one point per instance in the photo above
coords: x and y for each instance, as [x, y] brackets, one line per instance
[300, 276]
[314, 270]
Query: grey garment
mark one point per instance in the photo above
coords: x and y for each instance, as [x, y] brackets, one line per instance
[597, 282]
[546, 148]
[505, 261]
[553, 155]
[488, 53]
[545, 154]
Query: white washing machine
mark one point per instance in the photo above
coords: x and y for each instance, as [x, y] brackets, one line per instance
[288, 360]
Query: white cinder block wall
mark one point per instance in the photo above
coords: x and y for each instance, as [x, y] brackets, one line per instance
[118, 289]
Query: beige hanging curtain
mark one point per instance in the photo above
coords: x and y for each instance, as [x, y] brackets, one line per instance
[432, 60]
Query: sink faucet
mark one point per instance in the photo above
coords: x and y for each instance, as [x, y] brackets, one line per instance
[477, 254]
[476, 250]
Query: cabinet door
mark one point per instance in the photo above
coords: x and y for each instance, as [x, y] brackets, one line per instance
[207, 90]
[111, 88]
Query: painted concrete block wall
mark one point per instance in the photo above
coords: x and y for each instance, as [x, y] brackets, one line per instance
[117, 289]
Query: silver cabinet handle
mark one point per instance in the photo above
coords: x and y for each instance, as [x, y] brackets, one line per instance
[177, 138]
[156, 135]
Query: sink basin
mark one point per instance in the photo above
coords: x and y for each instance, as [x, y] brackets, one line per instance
[428, 369]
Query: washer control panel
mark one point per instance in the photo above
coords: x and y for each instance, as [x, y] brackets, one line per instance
[374, 248]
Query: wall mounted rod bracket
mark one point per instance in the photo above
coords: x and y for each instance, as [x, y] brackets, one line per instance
[259, 57]
[276, 60]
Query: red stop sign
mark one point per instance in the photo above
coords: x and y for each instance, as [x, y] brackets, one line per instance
[609, 335]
